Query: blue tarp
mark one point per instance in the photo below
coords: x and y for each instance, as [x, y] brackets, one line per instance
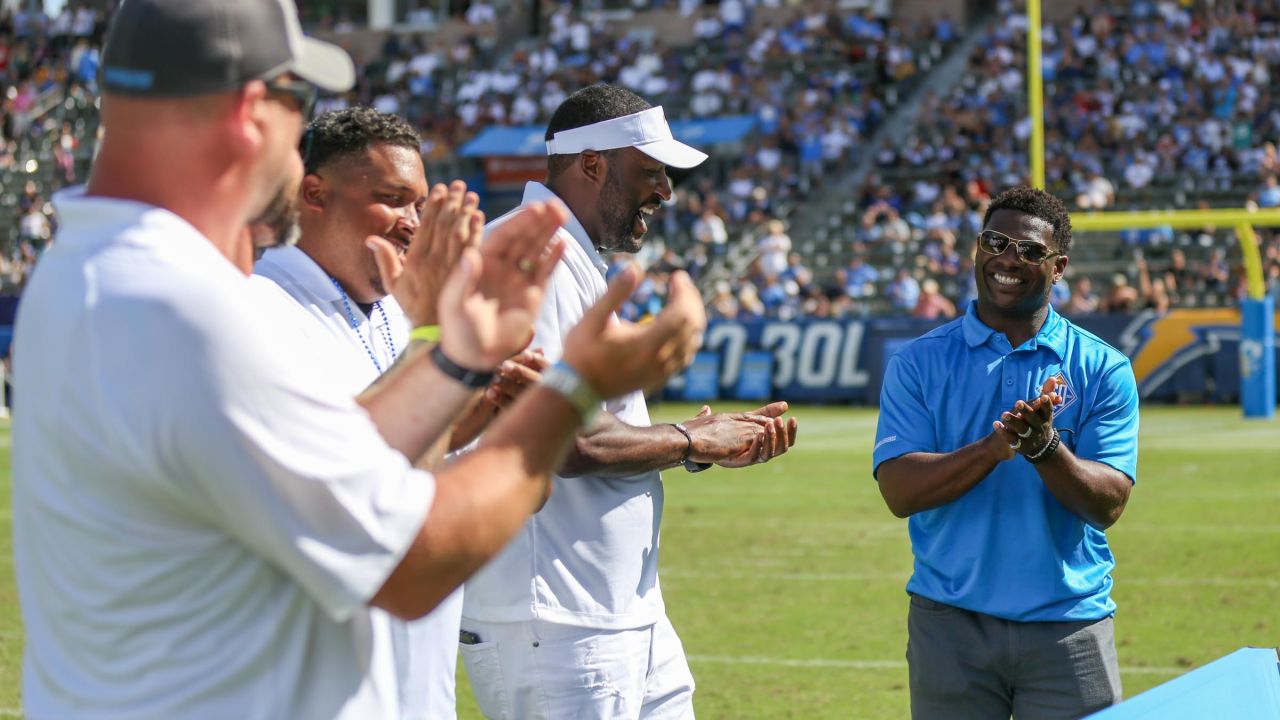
[1244, 684]
[526, 140]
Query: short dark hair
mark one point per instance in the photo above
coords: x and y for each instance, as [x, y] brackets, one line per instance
[343, 133]
[1036, 203]
[590, 105]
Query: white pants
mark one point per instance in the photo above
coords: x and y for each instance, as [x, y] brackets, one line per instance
[542, 671]
[427, 661]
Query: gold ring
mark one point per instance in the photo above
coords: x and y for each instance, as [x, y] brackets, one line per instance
[525, 265]
[1016, 445]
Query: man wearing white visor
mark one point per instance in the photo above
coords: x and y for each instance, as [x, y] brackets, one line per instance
[568, 621]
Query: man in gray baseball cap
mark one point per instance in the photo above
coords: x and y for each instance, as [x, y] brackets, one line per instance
[177, 48]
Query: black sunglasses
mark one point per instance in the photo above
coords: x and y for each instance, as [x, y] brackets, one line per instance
[302, 92]
[1031, 253]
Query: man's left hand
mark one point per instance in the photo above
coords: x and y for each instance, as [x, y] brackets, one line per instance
[451, 224]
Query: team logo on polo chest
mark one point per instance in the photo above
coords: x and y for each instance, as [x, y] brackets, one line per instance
[1067, 393]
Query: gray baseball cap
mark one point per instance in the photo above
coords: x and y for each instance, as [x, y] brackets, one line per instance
[175, 48]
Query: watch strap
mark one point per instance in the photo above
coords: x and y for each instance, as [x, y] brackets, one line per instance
[689, 465]
[474, 379]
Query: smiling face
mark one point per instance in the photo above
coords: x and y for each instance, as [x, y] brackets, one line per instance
[635, 186]
[1007, 286]
[379, 192]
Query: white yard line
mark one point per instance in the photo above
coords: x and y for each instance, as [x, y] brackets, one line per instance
[871, 664]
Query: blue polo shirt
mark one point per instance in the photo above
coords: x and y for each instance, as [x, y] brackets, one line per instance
[1007, 547]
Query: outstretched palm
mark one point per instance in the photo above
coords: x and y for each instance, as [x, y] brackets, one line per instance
[489, 304]
[617, 357]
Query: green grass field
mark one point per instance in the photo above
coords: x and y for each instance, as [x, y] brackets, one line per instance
[785, 581]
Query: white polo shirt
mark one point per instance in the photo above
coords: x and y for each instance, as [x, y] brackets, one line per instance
[426, 649]
[200, 519]
[589, 558]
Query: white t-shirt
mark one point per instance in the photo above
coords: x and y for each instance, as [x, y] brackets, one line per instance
[199, 518]
[426, 649]
[589, 558]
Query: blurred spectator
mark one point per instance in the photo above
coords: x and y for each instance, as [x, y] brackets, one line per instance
[1083, 300]
[1140, 171]
[940, 252]
[1121, 297]
[798, 273]
[723, 305]
[773, 249]
[1215, 273]
[858, 278]
[932, 305]
[749, 305]
[34, 227]
[1095, 192]
[480, 12]
[1152, 292]
[1269, 195]
[1179, 279]
[904, 291]
[710, 231]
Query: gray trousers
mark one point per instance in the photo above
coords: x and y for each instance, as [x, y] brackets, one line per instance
[969, 666]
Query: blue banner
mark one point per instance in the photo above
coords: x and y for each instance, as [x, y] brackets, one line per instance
[1192, 354]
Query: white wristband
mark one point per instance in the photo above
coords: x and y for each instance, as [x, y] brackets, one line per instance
[566, 381]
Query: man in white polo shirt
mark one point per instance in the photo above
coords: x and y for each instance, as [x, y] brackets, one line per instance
[569, 621]
[202, 523]
[364, 176]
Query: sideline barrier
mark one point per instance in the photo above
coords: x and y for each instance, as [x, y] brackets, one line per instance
[1188, 354]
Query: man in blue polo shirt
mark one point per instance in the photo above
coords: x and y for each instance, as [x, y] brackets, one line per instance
[1009, 437]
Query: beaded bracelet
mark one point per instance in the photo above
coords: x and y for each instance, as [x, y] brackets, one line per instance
[1047, 451]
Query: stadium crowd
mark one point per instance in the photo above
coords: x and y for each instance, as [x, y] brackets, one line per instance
[1137, 94]
[46, 63]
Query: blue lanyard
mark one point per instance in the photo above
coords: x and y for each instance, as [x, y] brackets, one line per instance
[355, 326]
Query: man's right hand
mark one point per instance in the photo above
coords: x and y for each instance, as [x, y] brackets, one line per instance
[735, 440]
[490, 301]
[451, 224]
[616, 357]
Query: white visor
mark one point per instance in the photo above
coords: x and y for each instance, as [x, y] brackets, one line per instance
[646, 131]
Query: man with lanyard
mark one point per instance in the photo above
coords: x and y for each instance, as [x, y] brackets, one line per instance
[203, 523]
[569, 620]
[1009, 438]
[364, 177]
